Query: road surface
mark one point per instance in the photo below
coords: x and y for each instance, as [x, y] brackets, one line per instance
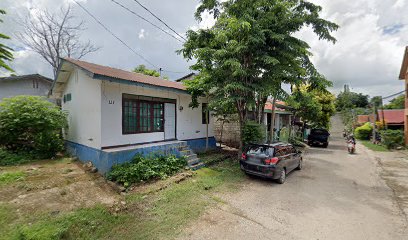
[335, 196]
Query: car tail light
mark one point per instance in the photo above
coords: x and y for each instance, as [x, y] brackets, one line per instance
[244, 156]
[272, 161]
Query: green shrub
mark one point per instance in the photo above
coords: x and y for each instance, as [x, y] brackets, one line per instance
[144, 169]
[253, 133]
[392, 138]
[31, 124]
[364, 132]
[8, 158]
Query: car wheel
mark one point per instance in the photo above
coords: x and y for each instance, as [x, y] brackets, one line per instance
[326, 145]
[300, 166]
[282, 177]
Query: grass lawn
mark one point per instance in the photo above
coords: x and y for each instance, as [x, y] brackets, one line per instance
[374, 147]
[147, 214]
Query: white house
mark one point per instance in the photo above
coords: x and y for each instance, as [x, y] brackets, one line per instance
[114, 114]
[33, 85]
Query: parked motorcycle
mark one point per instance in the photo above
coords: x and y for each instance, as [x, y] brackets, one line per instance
[351, 145]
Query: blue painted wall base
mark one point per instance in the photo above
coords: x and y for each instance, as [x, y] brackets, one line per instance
[105, 159]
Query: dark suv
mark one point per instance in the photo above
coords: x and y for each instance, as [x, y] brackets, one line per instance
[272, 161]
[318, 137]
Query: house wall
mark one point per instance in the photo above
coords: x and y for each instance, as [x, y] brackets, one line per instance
[11, 88]
[84, 110]
[406, 110]
[189, 124]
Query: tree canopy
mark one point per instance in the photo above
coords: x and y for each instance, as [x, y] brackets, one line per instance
[347, 100]
[251, 50]
[396, 103]
[143, 70]
[149, 72]
[6, 54]
[314, 106]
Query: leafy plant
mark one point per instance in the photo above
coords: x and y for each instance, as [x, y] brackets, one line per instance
[6, 54]
[8, 158]
[364, 132]
[392, 138]
[144, 169]
[31, 124]
[253, 133]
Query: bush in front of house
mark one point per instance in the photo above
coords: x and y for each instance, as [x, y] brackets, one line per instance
[253, 132]
[392, 138]
[146, 168]
[364, 132]
[31, 125]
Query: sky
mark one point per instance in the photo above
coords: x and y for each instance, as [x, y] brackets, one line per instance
[367, 55]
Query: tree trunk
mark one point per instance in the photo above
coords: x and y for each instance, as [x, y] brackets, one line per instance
[222, 130]
[272, 133]
[206, 134]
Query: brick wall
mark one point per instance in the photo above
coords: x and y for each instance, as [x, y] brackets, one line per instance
[231, 133]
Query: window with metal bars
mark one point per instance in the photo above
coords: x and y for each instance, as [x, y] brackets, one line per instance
[140, 116]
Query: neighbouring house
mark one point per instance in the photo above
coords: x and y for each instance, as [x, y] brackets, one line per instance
[115, 114]
[230, 128]
[33, 85]
[404, 76]
[393, 118]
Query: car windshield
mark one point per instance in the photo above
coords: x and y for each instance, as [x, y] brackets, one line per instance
[258, 150]
[319, 132]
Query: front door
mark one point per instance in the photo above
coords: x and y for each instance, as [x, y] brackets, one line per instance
[169, 121]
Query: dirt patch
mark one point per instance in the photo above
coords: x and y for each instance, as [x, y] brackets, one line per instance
[56, 186]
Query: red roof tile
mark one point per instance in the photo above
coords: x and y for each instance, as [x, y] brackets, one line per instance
[125, 75]
[392, 116]
[363, 118]
[268, 106]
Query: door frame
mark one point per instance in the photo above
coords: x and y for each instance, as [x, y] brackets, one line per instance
[175, 121]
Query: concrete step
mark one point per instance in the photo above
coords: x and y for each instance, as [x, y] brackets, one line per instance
[193, 162]
[186, 152]
[191, 157]
[197, 166]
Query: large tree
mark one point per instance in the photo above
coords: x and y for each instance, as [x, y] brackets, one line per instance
[348, 100]
[6, 54]
[53, 36]
[252, 47]
[396, 103]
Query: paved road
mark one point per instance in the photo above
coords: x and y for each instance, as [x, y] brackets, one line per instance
[335, 196]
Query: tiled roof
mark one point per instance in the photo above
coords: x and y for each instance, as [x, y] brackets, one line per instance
[268, 106]
[392, 116]
[363, 118]
[27, 77]
[125, 75]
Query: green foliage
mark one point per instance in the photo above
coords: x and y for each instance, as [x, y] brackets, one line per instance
[149, 72]
[253, 133]
[348, 100]
[31, 124]
[144, 169]
[392, 138]
[252, 47]
[364, 132]
[6, 54]
[8, 158]
[396, 103]
[10, 177]
[314, 106]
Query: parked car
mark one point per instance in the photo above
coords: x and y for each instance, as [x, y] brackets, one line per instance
[272, 161]
[318, 137]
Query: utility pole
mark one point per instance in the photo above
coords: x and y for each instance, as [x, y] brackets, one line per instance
[273, 120]
[374, 118]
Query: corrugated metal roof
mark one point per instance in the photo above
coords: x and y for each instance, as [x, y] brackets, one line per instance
[125, 75]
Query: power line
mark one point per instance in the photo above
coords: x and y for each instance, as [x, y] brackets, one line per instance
[143, 18]
[154, 15]
[393, 95]
[114, 35]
